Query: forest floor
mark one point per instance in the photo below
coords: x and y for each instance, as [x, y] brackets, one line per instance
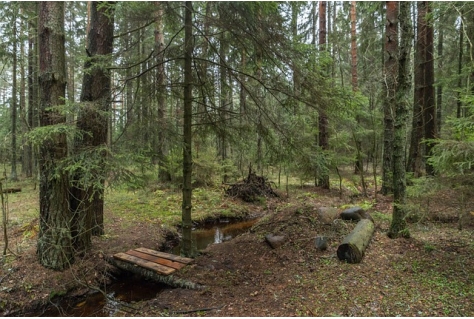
[429, 274]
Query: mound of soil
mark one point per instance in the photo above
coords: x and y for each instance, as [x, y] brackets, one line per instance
[251, 189]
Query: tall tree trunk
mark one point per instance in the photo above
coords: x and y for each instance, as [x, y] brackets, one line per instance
[87, 194]
[323, 119]
[358, 167]
[186, 247]
[415, 157]
[54, 238]
[429, 110]
[14, 107]
[242, 100]
[294, 32]
[460, 63]
[160, 149]
[224, 97]
[70, 58]
[354, 47]
[23, 119]
[390, 75]
[398, 224]
[32, 95]
[439, 92]
[470, 53]
[259, 75]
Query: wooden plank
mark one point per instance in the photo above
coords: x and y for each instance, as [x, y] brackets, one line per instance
[144, 263]
[180, 259]
[157, 260]
[153, 275]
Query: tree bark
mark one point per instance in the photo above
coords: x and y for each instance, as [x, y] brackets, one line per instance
[32, 113]
[460, 63]
[160, 149]
[353, 47]
[87, 195]
[439, 91]
[224, 98]
[415, 158]
[54, 238]
[14, 107]
[390, 75]
[429, 110]
[358, 167]
[23, 120]
[353, 246]
[398, 224]
[186, 247]
[323, 119]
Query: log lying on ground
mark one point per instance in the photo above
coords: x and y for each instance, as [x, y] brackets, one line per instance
[11, 190]
[327, 214]
[356, 213]
[152, 275]
[353, 246]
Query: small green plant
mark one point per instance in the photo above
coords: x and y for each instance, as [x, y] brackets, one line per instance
[54, 294]
[326, 261]
[429, 247]
[415, 266]
[381, 217]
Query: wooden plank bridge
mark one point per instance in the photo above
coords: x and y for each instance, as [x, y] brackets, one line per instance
[162, 263]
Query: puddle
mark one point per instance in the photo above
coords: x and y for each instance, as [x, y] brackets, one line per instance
[216, 233]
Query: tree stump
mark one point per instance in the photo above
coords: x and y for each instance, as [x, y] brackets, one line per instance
[353, 246]
[327, 214]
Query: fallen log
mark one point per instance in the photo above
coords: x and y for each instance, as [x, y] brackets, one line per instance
[353, 246]
[11, 190]
[327, 214]
[153, 275]
[356, 213]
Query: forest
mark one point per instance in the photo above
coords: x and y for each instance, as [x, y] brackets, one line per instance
[138, 124]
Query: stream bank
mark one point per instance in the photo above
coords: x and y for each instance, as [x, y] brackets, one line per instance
[118, 297]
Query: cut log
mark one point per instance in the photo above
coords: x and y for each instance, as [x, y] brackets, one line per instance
[353, 246]
[11, 190]
[327, 214]
[355, 213]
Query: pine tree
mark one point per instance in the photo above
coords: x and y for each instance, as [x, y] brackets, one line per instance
[398, 224]
[54, 237]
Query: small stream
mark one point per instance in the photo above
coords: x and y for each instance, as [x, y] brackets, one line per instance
[126, 290]
[129, 289]
[216, 233]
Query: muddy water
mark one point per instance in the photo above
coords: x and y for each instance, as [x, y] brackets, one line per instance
[119, 300]
[216, 234]
[121, 294]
